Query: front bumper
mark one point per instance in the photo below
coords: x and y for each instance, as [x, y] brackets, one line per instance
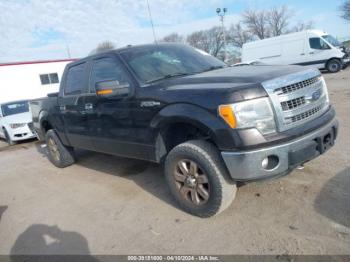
[283, 158]
[23, 133]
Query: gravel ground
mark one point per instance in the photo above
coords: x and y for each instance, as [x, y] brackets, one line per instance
[110, 205]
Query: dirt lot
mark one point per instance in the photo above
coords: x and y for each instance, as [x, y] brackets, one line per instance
[110, 205]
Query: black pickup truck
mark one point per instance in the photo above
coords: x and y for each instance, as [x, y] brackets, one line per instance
[210, 125]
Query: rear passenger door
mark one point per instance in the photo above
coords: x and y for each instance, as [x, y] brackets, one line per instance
[72, 106]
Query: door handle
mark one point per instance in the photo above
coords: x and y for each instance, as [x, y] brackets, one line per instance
[311, 53]
[89, 106]
[63, 108]
[302, 54]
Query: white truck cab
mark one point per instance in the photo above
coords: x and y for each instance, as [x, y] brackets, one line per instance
[16, 122]
[310, 48]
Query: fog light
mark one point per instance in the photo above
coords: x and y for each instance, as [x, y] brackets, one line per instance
[270, 162]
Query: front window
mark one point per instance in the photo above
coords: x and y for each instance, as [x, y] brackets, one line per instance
[332, 40]
[158, 62]
[318, 43]
[15, 108]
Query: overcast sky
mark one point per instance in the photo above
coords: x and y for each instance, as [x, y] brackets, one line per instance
[42, 29]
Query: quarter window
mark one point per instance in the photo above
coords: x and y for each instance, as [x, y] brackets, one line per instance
[47, 79]
[75, 80]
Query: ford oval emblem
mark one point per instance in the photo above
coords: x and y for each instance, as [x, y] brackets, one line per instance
[316, 95]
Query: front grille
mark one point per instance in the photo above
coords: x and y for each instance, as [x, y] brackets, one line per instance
[297, 98]
[304, 115]
[294, 103]
[296, 86]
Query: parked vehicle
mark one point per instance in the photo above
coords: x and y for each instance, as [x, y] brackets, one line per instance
[309, 48]
[16, 122]
[209, 124]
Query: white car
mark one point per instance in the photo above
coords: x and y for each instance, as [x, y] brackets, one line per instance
[16, 122]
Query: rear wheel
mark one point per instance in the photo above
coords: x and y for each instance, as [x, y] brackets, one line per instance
[59, 154]
[8, 138]
[334, 66]
[198, 179]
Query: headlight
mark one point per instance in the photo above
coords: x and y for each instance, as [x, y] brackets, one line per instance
[256, 113]
[17, 125]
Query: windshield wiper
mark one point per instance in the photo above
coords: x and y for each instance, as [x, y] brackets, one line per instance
[167, 76]
[213, 68]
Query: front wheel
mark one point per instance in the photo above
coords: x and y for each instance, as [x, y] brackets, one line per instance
[198, 179]
[58, 154]
[334, 66]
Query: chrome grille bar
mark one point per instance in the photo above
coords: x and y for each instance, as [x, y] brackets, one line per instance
[296, 86]
[297, 98]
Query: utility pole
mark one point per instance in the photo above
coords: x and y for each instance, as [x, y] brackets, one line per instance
[221, 13]
[151, 19]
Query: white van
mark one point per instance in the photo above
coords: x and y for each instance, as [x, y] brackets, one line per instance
[311, 47]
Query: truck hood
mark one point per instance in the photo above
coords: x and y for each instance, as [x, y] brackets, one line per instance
[18, 118]
[222, 86]
[231, 77]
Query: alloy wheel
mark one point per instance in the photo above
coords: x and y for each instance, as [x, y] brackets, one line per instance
[192, 182]
[53, 148]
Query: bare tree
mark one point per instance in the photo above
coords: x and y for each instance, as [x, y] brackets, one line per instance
[345, 9]
[199, 39]
[216, 40]
[210, 41]
[237, 35]
[278, 20]
[257, 23]
[301, 26]
[173, 38]
[104, 46]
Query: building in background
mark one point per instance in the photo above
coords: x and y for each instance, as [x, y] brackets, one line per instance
[28, 80]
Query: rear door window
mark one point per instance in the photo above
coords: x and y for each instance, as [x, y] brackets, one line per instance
[75, 83]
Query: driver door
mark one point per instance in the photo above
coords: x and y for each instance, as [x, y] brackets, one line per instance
[109, 115]
[319, 52]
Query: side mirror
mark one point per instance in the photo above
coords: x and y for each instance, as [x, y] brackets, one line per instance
[110, 88]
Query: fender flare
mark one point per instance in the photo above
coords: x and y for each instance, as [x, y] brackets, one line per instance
[191, 114]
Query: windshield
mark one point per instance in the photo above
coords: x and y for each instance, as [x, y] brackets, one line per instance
[158, 62]
[15, 108]
[332, 40]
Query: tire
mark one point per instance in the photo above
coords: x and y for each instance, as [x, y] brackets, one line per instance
[8, 138]
[188, 189]
[334, 66]
[58, 154]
